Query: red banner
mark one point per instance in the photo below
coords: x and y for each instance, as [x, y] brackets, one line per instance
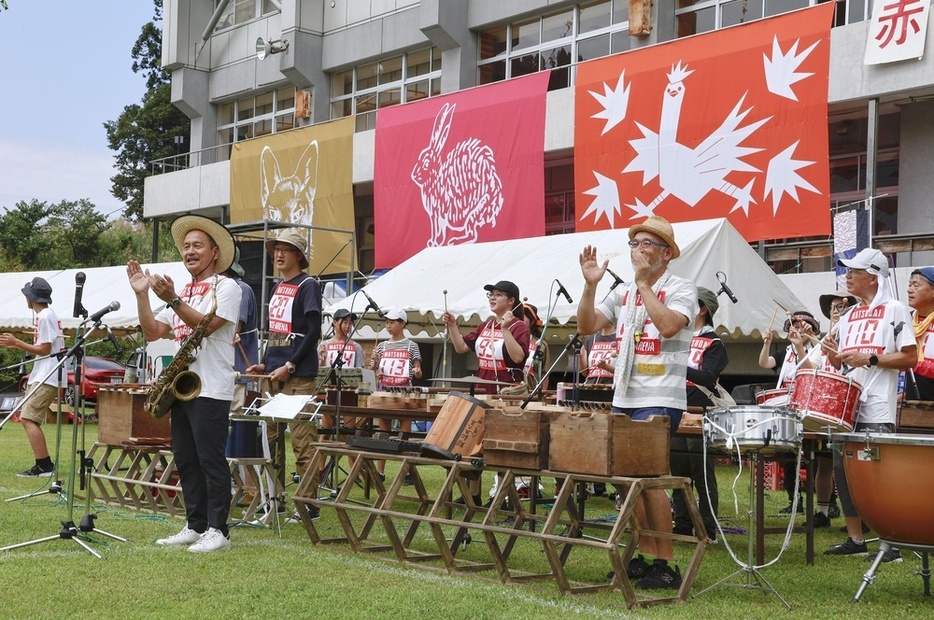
[731, 124]
[460, 168]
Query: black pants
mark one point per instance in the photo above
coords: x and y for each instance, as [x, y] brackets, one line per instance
[199, 442]
[687, 460]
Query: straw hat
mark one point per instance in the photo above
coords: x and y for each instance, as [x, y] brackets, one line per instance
[299, 242]
[659, 227]
[220, 235]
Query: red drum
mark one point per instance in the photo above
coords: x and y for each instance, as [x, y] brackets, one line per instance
[825, 400]
[891, 483]
[773, 398]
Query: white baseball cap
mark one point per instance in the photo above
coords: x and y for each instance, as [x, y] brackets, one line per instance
[397, 315]
[870, 259]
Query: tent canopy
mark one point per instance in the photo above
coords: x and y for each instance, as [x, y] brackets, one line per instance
[102, 286]
[707, 247]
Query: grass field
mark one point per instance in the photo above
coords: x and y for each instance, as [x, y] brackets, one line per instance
[267, 576]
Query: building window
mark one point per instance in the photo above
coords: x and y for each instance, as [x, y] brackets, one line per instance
[252, 117]
[555, 42]
[390, 81]
[241, 11]
[696, 16]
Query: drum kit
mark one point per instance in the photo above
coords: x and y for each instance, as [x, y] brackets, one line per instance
[819, 402]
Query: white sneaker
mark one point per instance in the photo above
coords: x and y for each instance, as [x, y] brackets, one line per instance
[186, 537]
[211, 540]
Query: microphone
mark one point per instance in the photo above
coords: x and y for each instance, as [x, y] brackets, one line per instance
[564, 291]
[96, 317]
[373, 305]
[721, 278]
[616, 279]
[79, 289]
[113, 340]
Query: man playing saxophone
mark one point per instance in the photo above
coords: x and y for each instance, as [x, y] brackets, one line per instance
[199, 426]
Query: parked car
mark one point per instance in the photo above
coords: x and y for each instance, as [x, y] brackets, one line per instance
[97, 371]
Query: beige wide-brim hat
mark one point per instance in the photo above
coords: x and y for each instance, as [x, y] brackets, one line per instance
[827, 299]
[220, 235]
[660, 227]
[299, 242]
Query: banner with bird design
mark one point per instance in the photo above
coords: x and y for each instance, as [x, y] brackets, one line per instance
[460, 168]
[731, 123]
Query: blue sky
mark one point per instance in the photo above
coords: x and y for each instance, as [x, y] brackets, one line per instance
[64, 71]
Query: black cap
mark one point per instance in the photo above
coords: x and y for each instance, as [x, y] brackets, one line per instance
[38, 290]
[505, 286]
[342, 313]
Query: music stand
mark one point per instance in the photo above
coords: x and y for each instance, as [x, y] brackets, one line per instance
[80, 533]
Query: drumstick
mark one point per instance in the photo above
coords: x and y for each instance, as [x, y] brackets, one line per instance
[444, 356]
[243, 375]
[772, 320]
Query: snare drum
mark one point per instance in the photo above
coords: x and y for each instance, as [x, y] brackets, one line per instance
[245, 440]
[774, 398]
[748, 427]
[825, 399]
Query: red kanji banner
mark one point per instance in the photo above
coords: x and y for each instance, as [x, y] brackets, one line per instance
[727, 124]
[460, 168]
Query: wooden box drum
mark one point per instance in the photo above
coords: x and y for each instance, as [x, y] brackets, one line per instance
[457, 431]
[825, 399]
[748, 427]
[891, 480]
[775, 398]
[121, 417]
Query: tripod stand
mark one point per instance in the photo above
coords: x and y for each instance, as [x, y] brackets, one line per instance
[80, 533]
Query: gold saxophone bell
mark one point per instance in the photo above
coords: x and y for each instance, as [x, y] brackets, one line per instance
[186, 386]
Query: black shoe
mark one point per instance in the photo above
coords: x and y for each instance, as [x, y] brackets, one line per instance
[638, 567]
[660, 576]
[865, 528]
[37, 471]
[409, 480]
[821, 520]
[787, 509]
[892, 556]
[834, 510]
[683, 530]
[849, 548]
[477, 500]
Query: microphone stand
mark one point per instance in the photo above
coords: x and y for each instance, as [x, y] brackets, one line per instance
[79, 534]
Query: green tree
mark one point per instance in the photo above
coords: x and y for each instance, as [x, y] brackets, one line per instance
[145, 132]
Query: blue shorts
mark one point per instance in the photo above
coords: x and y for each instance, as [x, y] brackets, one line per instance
[643, 413]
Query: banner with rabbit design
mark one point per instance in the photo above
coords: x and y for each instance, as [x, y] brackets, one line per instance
[731, 124]
[302, 177]
[460, 168]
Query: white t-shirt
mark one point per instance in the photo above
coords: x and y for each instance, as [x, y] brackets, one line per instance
[790, 367]
[884, 329]
[660, 364]
[47, 329]
[215, 358]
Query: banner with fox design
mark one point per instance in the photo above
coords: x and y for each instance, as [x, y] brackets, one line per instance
[731, 123]
[302, 177]
[460, 168]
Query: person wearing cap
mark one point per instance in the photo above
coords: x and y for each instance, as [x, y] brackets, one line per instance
[397, 361]
[501, 342]
[921, 300]
[291, 357]
[43, 386]
[832, 306]
[707, 360]
[799, 327]
[654, 318]
[246, 342]
[340, 346]
[872, 344]
[199, 426]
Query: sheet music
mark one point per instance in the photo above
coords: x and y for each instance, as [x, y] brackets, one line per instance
[286, 406]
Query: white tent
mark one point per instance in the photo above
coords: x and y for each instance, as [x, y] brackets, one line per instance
[102, 286]
[707, 247]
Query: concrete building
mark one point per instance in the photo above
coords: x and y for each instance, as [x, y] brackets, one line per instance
[352, 57]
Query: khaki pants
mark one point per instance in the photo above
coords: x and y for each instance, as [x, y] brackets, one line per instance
[304, 434]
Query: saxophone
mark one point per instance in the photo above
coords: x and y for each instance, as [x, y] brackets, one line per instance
[176, 382]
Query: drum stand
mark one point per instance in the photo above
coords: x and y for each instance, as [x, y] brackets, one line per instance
[884, 546]
[753, 578]
[80, 533]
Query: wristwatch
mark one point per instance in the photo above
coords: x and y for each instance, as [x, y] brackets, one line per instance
[175, 303]
[290, 367]
[873, 359]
